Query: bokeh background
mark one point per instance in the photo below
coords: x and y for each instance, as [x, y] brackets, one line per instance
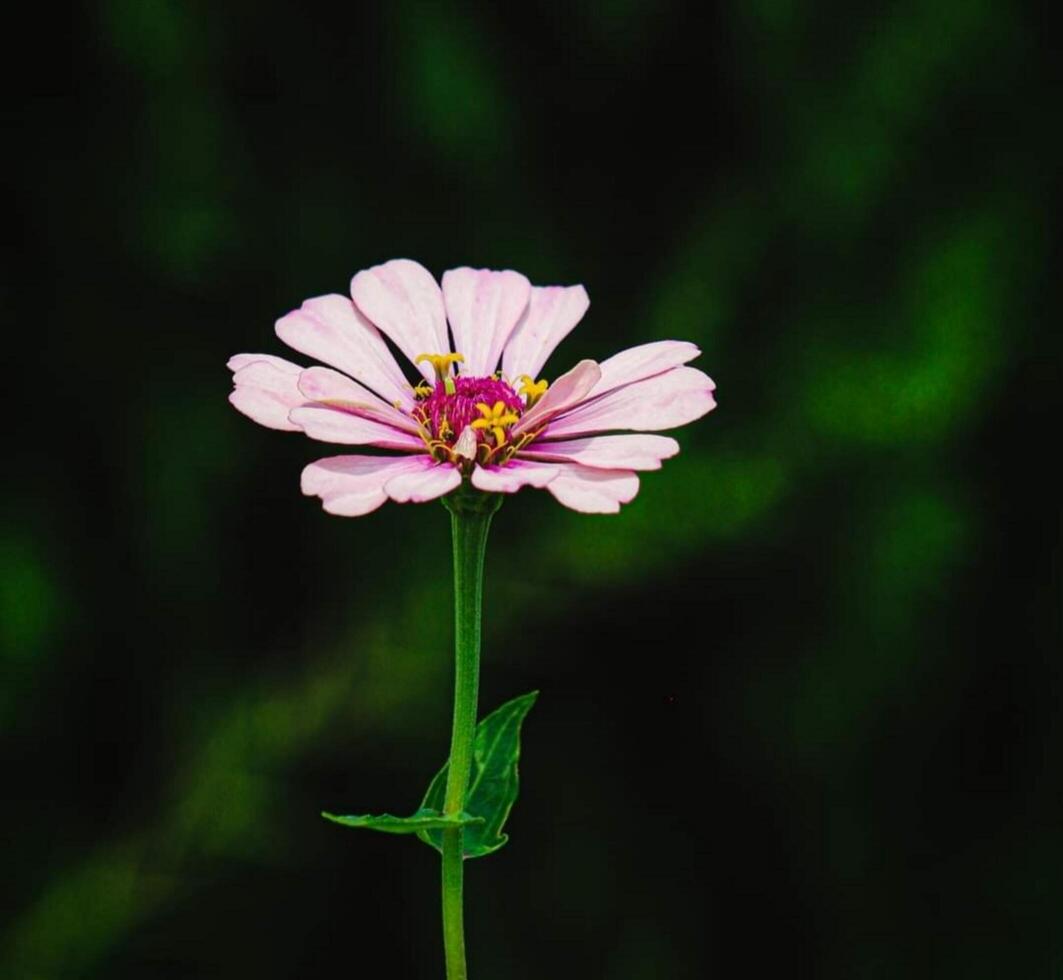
[799, 700]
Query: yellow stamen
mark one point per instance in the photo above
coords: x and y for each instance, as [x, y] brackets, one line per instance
[496, 418]
[441, 363]
[532, 390]
[422, 390]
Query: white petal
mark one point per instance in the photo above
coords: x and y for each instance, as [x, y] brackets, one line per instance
[403, 299]
[569, 390]
[331, 330]
[483, 307]
[593, 491]
[514, 475]
[551, 314]
[662, 402]
[627, 452]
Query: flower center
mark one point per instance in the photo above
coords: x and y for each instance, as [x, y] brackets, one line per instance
[488, 407]
[466, 419]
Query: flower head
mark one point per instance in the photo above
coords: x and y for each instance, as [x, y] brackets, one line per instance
[480, 409]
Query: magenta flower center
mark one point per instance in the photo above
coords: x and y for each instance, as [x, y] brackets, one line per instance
[457, 403]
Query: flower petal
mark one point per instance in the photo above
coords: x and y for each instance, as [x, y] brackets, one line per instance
[429, 481]
[643, 361]
[335, 425]
[404, 301]
[662, 402]
[238, 361]
[629, 452]
[266, 389]
[569, 390]
[332, 330]
[483, 307]
[354, 485]
[511, 477]
[321, 384]
[551, 314]
[593, 491]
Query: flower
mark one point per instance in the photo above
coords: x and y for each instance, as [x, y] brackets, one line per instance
[467, 416]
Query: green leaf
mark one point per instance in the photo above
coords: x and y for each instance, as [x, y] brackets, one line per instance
[493, 782]
[423, 820]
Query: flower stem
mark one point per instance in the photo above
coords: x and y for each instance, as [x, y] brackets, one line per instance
[470, 519]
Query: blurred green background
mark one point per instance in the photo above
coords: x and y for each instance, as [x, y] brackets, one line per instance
[799, 700]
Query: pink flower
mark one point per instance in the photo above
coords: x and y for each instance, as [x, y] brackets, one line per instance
[498, 426]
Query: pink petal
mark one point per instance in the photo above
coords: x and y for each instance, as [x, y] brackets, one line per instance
[354, 485]
[552, 313]
[483, 308]
[568, 390]
[321, 384]
[511, 477]
[404, 301]
[662, 402]
[644, 361]
[593, 491]
[626, 452]
[332, 330]
[335, 425]
[430, 481]
[238, 361]
[266, 389]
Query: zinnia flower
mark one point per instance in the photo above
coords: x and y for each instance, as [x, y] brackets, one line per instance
[502, 427]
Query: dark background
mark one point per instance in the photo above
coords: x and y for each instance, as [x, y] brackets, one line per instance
[799, 700]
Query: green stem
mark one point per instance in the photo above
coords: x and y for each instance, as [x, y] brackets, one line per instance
[470, 519]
